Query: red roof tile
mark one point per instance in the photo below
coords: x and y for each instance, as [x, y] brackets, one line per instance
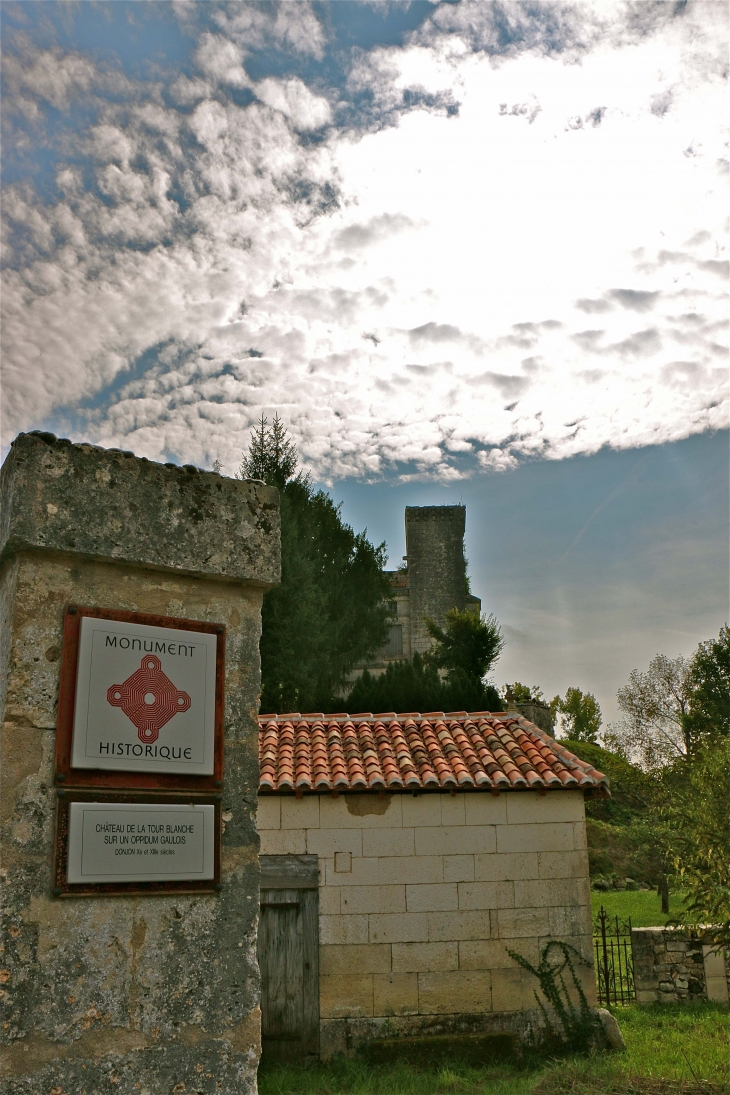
[459, 750]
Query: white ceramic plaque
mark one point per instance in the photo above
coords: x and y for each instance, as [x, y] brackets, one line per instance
[140, 842]
[145, 699]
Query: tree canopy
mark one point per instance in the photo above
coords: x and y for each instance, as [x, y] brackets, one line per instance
[330, 610]
[415, 685]
[470, 643]
[581, 714]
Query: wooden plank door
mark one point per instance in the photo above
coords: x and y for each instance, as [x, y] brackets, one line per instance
[288, 951]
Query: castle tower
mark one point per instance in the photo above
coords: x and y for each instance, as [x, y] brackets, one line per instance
[436, 567]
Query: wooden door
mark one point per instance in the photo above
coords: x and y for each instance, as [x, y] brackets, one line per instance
[288, 950]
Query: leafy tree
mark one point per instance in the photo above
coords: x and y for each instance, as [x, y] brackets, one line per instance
[581, 714]
[330, 610]
[523, 693]
[696, 821]
[709, 707]
[415, 685]
[470, 643]
[676, 707]
[655, 705]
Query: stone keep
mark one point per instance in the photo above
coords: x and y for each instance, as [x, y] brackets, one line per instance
[436, 567]
[126, 995]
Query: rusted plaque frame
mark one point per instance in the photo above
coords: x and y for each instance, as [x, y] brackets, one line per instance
[98, 777]
[62, 888]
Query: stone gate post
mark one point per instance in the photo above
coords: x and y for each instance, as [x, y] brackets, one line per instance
[126, 995]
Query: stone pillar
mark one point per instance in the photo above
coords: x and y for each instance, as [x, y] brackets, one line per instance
[436, 567]
[126, 995]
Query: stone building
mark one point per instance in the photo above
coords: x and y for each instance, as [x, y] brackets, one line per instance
[401, 856]
[431, 582]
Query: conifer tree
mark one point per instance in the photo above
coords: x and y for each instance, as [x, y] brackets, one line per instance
[330, 610]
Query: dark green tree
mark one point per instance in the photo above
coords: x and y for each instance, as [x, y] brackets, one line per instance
[469, 643]
[709, 705]
[415, 685]
[523, 693]
[581, 714]
[330, 610]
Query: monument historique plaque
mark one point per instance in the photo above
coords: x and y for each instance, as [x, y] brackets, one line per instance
[140, 713]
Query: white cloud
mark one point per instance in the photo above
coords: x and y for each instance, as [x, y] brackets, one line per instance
[296, 101]
[487, 286]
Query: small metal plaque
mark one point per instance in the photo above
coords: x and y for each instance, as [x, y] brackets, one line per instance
[140, 842]
[141, 701]
[145, 699]
[135, 843]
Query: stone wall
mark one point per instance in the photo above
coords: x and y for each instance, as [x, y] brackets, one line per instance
[126, 995]
[674, 964]
[421, 894]
[436, 567]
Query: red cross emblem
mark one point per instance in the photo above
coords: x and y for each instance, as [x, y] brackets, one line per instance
[148, 698]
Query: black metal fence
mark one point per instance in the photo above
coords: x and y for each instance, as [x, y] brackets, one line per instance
[614, 960]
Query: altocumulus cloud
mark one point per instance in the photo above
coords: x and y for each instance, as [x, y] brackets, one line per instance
[398, 252]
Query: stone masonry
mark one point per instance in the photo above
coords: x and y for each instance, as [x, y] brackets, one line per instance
[126, 995]
[674, 964]
[420, 895]
[436, 567]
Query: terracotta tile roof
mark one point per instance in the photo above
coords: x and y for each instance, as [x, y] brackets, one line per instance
[458, 750]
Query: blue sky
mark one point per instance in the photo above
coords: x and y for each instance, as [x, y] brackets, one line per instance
[465, 250]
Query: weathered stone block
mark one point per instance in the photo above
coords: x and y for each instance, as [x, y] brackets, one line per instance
[432, 898]
[486, 895]
[506, 867]
[395, 994]
[484, 809]
[343, 929]
[545, 837]
[345, 997]
[491, 954]
[364, 872]
[342, 961]
[447, 926]
[399, 928]
[421, 809]
[452, 809]
[300, 813]
[283, 842]
[522, 923]
[268, 814]
[388, 842]
[411, 870]
[458, 868]
[352, 811]
[449, 993]
[455, 840]
[373, 899]
[425, 957]
[327, 842]
[529, 808]
[513, 989]
[102, 504]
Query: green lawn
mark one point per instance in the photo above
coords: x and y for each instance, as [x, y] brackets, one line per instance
[671, 1049]
[643, 906]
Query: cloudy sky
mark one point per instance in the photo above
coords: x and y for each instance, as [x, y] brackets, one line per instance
[466, 250]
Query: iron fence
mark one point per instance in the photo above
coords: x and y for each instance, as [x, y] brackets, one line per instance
[614, 959]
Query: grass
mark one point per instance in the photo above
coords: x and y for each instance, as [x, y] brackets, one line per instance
[671, 1049]
[643, 906]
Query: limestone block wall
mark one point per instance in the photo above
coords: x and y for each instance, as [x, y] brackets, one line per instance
[421, 894]
[672, 964]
